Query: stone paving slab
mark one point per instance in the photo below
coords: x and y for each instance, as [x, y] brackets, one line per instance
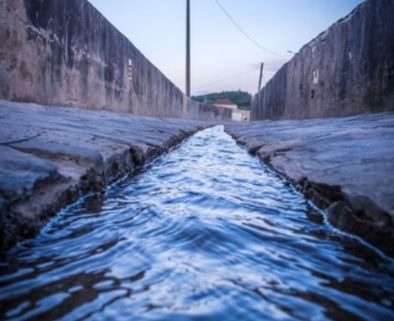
[51, 156]
[344, 165]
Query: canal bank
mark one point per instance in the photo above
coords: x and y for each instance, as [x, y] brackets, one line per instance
[344, 165]
[51, 156]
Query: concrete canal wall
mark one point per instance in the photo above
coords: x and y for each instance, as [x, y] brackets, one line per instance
[66, 53]
[348, 69]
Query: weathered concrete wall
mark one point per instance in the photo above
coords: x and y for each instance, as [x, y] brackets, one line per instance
[346, 70]
[57, 52]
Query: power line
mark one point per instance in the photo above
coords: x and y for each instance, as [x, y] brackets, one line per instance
[231, 77]
[227, 78]
[244, 32]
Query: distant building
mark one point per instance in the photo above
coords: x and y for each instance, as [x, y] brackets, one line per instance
[240, 115]
[227, 103]
[237, 114]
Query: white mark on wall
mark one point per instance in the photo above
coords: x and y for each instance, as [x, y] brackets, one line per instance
[350, 56]
[130, 69]
[315, 76]
[313, 51]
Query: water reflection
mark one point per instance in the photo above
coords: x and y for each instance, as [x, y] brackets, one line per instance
[206, 232]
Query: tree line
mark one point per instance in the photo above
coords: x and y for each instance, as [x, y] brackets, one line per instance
[240, 98]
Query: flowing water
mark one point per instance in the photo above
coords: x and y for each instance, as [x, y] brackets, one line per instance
[206, 232]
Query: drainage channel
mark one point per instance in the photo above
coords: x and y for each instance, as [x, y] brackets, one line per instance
[205, 232]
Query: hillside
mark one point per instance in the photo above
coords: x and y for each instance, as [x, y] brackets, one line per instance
[240, 98]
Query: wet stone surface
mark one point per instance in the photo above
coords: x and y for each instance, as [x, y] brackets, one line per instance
[206, 232]
[51, 156]
[345, 165]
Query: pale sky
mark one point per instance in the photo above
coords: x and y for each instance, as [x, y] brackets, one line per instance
[222, 57]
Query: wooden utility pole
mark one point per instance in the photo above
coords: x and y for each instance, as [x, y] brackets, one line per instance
[261, 76]
[188, 48]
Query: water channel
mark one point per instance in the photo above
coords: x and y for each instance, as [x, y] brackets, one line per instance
[205, 232]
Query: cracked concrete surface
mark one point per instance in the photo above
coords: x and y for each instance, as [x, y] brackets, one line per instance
[345, 165]
[51, 156]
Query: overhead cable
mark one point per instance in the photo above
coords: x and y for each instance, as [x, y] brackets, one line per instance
[244, 32]
[227, 78]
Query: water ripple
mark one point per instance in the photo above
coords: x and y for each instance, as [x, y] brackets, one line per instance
[205, 232]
